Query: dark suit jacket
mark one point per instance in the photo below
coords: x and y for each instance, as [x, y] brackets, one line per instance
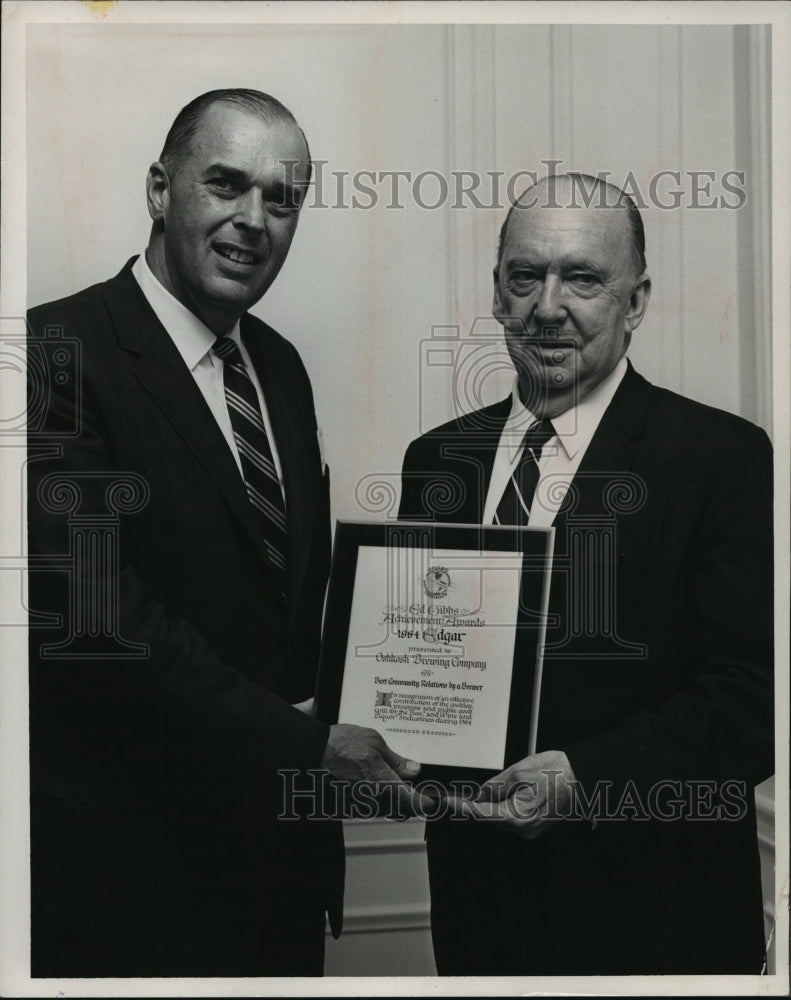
[672, 502]
[160, 705]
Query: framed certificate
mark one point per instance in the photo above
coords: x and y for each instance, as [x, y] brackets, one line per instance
[433, 636]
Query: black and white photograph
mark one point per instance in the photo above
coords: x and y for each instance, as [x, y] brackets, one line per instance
[395, 475]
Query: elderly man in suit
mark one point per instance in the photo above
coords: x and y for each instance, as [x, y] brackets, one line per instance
[179, 549]
[626, 844]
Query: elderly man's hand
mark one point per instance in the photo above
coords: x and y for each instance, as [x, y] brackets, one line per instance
[527, 798]
[359, 756]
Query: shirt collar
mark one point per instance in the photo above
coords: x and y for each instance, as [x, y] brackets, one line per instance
[193, 339]
[574, 427]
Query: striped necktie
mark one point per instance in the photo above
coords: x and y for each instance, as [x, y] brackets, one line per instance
[258, 467]
[514, 507]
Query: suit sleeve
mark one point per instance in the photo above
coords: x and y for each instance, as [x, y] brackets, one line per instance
[716, 722]
[179, 703]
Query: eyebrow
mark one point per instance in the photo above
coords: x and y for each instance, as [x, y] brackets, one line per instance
[566, 265]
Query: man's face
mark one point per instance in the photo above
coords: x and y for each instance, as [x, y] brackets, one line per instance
[567, 296]
[229, 213]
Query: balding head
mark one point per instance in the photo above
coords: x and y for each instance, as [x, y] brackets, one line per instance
[575, 190]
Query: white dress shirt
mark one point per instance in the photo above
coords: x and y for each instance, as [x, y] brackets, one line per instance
[561, 455]
[194, 342]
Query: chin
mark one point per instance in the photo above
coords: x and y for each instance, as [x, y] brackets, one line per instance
[235, 297]
[554, 378]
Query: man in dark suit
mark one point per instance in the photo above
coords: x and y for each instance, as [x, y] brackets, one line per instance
[627, 843]
[179, 553]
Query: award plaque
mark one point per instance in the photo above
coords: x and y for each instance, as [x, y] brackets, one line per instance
[433, 636]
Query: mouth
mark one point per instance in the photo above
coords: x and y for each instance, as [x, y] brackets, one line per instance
[546, 347]
[549, 337]
[537, 355]
[542, 336]
[549, 346]
[237, 255]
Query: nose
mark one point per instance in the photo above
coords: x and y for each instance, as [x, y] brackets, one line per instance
[250, 210]
[549, 309]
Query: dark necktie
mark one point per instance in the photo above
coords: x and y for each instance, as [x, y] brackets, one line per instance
[514, 507]
[258, 467]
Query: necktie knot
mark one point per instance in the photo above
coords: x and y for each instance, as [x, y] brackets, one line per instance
[536, 437]
[226, 350]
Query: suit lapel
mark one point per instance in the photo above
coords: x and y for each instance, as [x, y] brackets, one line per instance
[293, 436]
[157, 364]
[475, 447]
[611, 449]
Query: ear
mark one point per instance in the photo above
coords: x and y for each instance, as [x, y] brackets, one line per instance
[157, 191]
[638, 302]
[497, 302]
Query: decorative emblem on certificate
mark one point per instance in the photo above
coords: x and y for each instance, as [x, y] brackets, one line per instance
[436, 583]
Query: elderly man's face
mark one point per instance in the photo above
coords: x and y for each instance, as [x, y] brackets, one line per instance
[568, 298]
[228, 214]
